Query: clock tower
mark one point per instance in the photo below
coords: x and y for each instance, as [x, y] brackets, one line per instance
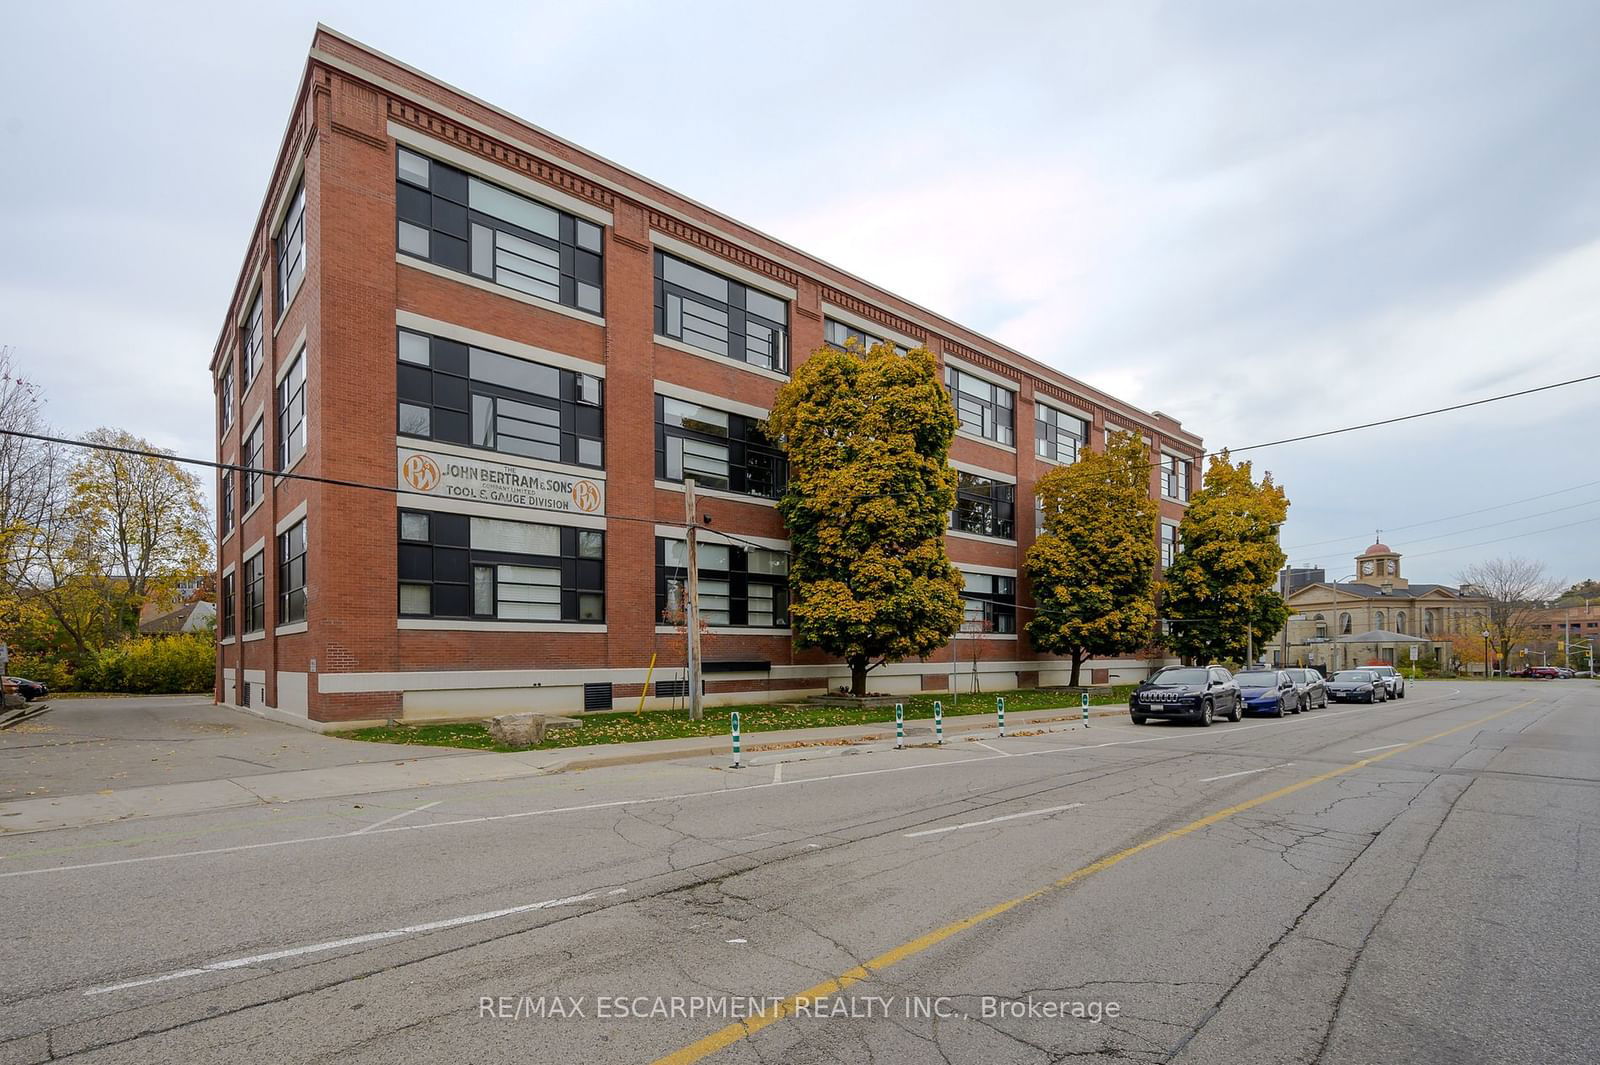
[1379, 566]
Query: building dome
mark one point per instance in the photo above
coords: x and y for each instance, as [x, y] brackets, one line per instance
[1378, 549]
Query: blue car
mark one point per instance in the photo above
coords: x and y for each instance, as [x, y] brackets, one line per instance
[1268, 691]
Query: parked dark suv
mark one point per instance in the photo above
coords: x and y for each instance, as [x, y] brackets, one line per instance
[1197, 693]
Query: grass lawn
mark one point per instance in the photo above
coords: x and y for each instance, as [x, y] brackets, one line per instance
[623, 726]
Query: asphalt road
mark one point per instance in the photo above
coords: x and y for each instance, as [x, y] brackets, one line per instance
[1412, 882]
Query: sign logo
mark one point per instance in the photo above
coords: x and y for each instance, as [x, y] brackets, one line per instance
[420, 472]
[586, 496]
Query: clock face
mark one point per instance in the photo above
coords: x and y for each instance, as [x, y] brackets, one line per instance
[1366, 568]
[1392, 566]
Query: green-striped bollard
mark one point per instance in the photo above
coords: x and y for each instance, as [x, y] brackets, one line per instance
[899, 726]
[733, 721]
[938, 722]
[1000, 712]
[1085, 709]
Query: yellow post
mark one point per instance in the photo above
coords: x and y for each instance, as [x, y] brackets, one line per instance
[647, 676]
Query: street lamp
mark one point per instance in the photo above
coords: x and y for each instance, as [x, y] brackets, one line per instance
[1334, 588]
[1485, 654]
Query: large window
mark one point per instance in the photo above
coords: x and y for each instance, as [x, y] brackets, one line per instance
[712, 313]
[464, 395]
[458, 566]
[255, 592]
[1057, 434]
[464, 223]
[990, 599]
[718, 449]
[290, 245]
[983, 408]
[1169, 544]
[292, 413]
[292, 574]
[747, 587]
[225, 399]
[984, 506]
[251, 345]
[251, 459]
[1174, 477]
[225, 502]
[839, 335]
[225, 626]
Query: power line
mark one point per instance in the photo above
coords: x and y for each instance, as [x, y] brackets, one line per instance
[334, 482]
[1448, 517]
[1503, 539]
[1496, 524]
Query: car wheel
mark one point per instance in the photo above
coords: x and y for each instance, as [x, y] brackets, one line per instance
[1139, 719]
[1295, 709]
[1237, 713]
[1205, 714]
[1278, 710]
[1402, 693]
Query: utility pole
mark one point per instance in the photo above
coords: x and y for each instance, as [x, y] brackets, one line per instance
[691, 601]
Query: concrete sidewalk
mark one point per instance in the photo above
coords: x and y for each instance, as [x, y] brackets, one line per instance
[385, 768]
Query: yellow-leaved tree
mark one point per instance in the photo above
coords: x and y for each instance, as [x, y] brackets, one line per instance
[867, 434]
[1093, 567]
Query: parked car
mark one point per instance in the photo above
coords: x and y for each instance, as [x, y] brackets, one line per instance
[1357, 686]
[31, 690]
[1564, 673]
[1394, 682]
[1268, 691]
[1313, 689]
[1584, 673]
[1198, 693]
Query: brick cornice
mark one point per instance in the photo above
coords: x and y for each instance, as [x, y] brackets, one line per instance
[866, 310]
[425, 121]
[722, 249]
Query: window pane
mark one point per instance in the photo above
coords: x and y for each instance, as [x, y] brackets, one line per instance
[766, 562]
[676, 553]
[492, 200]
[415, 420]
[414, 527]
[492, 534]
[694, 279]
[766, 306]
[496, 369]
[416, 599]
[588, 235]
[591, 607]
[482, 250]
[413, 168]
[693, 416]
[591, 544]
[413, 239]
[483, 590]
[713, 556]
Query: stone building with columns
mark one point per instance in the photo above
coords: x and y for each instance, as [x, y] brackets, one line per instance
[1328, 619]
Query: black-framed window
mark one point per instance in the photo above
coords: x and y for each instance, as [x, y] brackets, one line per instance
[984, 408]
[225, 502]
[465, 395]
[290, 245]
[721, 316]
[984, 506]
[465, 223]
[1175, 477]
[292, 413]
[739, 587]
[717, 448]
[462, 566]
[991, 599]
[1169, 544]
[255, 592]
[292, 574]
[251, 457]
[225, 399]
[1057, 434]
[252, 345]
[839, 334]
[225, 624]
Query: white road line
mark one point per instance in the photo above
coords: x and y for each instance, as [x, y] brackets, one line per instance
[777, 773]
[993, 820]
[1266, 769]
[1385, 747]
[335, 944]
[996, 750]
[396, 817]
[489, 818]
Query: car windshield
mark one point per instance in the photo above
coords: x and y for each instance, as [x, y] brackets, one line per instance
[1301, 675]
[1355, 676]
[1380, 670]
[1179, 676]
[1256, 680]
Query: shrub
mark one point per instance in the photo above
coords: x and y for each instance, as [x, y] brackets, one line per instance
[52, 673]
[153, 664]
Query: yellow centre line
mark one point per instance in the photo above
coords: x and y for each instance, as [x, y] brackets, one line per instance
[725, 1037]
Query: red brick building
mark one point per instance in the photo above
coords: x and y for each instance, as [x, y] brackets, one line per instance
[528, 347]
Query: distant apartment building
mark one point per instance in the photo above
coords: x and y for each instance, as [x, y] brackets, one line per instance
[527, 349]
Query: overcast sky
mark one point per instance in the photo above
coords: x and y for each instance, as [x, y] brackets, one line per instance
[1261, 218]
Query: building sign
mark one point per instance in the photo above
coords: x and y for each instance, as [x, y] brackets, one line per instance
[452, 477]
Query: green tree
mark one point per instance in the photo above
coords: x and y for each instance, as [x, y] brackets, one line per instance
[1220, 591]
[867, 435]
[1093, 569]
